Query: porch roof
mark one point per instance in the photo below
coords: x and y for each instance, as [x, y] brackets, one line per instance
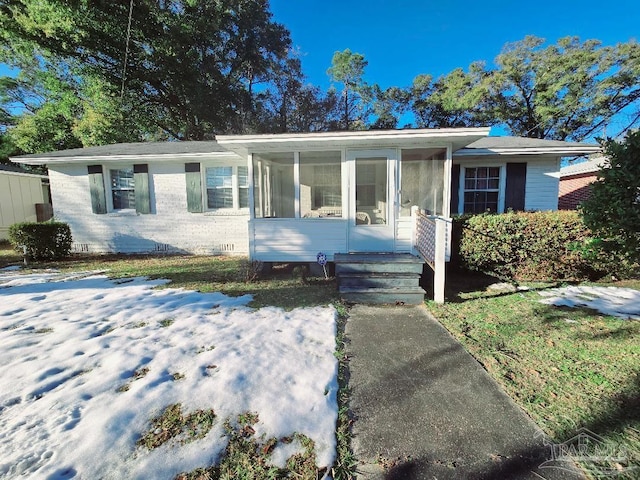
[457, 137]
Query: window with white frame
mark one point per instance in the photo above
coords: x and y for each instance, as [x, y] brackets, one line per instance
[123, 188]
[481, 189]
[227, 187]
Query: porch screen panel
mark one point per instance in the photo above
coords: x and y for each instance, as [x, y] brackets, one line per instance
[422, 180]
[371, 191]
[274, 189]
[320, 185]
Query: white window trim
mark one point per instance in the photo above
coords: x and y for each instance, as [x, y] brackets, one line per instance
[235, 186]
[501, 185]
[109, 191]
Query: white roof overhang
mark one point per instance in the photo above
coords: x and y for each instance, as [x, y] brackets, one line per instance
[409, 138]
[561, 151]
[52, 160]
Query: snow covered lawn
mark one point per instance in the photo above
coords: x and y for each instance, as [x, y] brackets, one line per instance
[614, 301]
[87, 362]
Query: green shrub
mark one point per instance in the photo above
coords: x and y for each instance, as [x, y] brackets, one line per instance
[527, 245]
[44, 241]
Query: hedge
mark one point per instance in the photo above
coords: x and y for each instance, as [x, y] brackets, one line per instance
[526, 245]
[44, 241]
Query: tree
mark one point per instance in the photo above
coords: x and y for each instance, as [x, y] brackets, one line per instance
[613, 209]
[348, 68]
[454, 100]
[289, 104]
[388, 106]
[191, 66]
[566, 91]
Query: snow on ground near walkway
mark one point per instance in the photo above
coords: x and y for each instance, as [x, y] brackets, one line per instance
[69, 342]
[615, 301]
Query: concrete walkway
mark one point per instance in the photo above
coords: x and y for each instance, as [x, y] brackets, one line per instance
[425, 409]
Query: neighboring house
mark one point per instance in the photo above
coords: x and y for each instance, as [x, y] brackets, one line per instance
[287, 197]
[24, 197]
[575, 182]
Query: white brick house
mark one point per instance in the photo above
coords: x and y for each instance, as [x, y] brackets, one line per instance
[286, 197]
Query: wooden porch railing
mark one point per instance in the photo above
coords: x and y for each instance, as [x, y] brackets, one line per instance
[431, 240]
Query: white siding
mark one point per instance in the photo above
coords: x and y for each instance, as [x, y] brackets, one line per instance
[19, 194]
[404, 235]
[170, 227]
[279, 240]
[542, 181]
[542, 184]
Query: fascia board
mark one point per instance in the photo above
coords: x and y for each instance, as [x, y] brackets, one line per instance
[120, 158]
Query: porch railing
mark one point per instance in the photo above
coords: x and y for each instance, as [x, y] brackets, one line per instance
[432, 240]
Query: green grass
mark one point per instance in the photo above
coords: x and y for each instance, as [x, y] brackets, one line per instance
[567, 368]
[283, 286]
[173, 425]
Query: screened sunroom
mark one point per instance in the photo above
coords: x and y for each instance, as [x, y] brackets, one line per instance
[344, 192]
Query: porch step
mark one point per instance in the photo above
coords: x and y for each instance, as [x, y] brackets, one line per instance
[379, 278]
[397, 296]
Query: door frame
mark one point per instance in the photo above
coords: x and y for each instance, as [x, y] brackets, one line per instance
[373, 237]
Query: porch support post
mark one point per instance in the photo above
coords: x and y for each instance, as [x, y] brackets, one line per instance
[439, 260]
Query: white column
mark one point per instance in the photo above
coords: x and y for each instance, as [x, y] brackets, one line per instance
[439, 261]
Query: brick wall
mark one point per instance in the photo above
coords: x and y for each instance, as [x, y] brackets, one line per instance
[575, 189]
[169, 228]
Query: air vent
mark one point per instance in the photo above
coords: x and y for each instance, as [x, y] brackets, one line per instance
[226, 247]
[80, 247]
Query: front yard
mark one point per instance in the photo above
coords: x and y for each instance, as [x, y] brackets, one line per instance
[195, 379]
[570, 369]
[126, 377]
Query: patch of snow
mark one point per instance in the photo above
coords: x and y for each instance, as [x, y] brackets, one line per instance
[10, 268]
[68, 342]
[614, 301]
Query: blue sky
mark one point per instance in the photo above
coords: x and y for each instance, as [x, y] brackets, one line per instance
[401, 39]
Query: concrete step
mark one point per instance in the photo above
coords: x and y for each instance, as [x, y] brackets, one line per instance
[379, 296]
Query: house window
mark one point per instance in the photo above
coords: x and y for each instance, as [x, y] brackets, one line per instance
[481, 189]
[123, 188]
[227, 187]
[220, 187]
[320, 185]
[243, 187]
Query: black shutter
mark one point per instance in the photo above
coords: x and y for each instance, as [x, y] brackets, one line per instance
[455, 188]
[96, 189]
[194, 187]
[516, 186]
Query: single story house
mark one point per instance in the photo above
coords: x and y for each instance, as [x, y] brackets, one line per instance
[575, 182]
[24, 197]
[288, 197]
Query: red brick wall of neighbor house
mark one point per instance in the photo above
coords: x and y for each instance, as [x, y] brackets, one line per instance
[574, 189]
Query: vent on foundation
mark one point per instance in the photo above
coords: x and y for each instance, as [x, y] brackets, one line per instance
[226, 247]
[162, 247]
[80, 247]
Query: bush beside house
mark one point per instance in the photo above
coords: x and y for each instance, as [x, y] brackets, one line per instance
[43, 241]
[526, 245]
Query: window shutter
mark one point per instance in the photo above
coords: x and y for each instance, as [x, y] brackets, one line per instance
[455, 188]
[194, 187]
[516, 186]
[96, 188]
[141, 185]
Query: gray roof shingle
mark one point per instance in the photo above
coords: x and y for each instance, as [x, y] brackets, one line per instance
[134, 149]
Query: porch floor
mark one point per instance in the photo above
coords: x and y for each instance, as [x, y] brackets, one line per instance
[380, 278]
